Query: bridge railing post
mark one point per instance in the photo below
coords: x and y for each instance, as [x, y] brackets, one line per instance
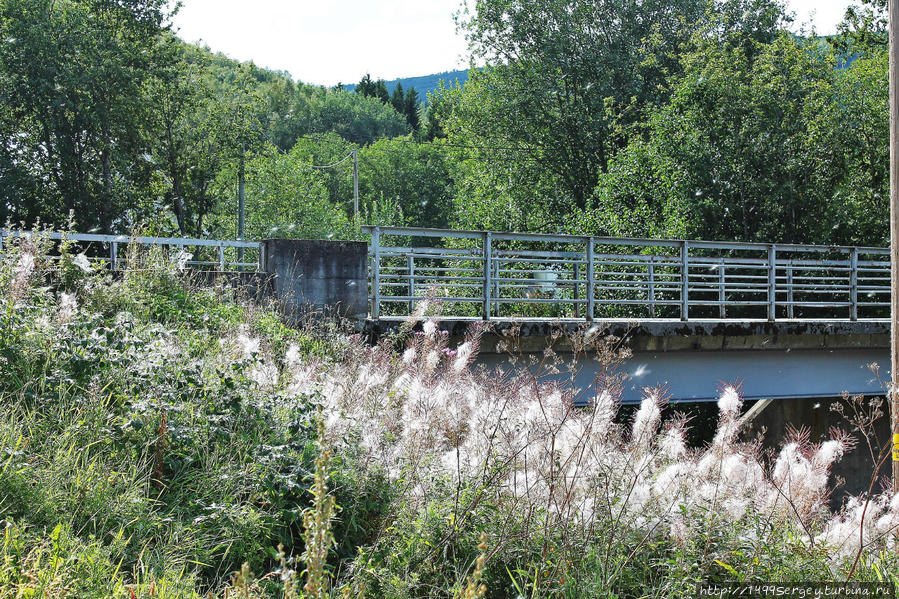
[591, 291]
[488, 242]
[574, 273]
[375, 272]
[772, 282]
[790, 295]
[410, 268]
[651, 285]
[684, 280]
[722, 310]
[113, 255]
[853, 284]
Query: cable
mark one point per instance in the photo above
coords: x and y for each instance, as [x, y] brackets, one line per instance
[322, 166]
[453, 145]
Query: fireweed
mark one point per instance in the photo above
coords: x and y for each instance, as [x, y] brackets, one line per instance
[430, 420]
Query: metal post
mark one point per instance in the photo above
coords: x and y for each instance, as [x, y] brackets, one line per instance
[113, 255]
[496, 284]
[772, 282]
[577, 307]
[375, 272]
[853, 284]
[221, 258]
[790, 296]
[410, 268]
[356, 183]
[591, 291]
[722, 311]
[684, 281]
[893, 12]
[651, 291]
[488, 241]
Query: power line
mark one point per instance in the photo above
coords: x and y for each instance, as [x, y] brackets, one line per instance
[332, 165]
[456, 145]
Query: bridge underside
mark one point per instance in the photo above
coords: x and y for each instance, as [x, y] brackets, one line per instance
[771, 359]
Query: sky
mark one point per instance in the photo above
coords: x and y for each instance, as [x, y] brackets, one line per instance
[326, 42]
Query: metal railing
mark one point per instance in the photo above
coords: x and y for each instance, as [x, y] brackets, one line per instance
[221, 254]
[499, 275]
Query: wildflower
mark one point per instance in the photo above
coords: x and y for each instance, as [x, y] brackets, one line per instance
[82, 262]
[646, 422]
[182, 258]
[68, 306]
[431, 360]
[292, 358]
[429, 328]
[409, 356]
[729, 402]
[463, 354]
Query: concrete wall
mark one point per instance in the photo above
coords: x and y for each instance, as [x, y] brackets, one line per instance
[314, 275]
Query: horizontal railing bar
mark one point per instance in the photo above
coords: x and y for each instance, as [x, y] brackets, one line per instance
[91, 237]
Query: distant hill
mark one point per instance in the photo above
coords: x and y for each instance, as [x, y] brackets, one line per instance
[424, 83]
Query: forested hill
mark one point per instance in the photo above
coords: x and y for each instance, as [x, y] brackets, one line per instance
[424, 83]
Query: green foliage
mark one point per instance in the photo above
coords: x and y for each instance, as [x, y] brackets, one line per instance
[73, 75]
[760, 141]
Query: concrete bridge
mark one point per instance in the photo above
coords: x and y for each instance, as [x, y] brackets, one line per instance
[789, 321]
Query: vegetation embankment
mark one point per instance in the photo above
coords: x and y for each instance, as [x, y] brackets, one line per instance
[157, 439]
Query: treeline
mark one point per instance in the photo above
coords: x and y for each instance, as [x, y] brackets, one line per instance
[665, 118]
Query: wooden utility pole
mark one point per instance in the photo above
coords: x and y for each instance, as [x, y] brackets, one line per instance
[894, 235]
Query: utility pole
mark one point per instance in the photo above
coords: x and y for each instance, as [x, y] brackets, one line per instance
[356, 183]
[241, 198]
[894, 235]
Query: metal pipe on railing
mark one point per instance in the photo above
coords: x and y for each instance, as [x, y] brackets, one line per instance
[591, 291]
[487, 241]
[375, 254]
[772, 282]
[722, 284]
[685, 281]
[410, 268]
[790, 296]
[853, 284]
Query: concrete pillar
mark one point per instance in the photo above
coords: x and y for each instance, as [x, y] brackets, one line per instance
[315, 275]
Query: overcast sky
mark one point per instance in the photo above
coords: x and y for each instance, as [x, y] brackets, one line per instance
[330, 41]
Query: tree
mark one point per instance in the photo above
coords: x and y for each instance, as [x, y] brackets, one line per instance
[398, 100]
[410, 108]
[772, 144]
[569, 83]
[285, 199]
[73, 75]
[415, 177]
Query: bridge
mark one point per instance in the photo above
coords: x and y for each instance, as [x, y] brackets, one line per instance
[790, 321]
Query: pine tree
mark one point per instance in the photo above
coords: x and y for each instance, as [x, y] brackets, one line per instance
[410, 107]
[398, 100]
[381, 91]
[365, 86]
